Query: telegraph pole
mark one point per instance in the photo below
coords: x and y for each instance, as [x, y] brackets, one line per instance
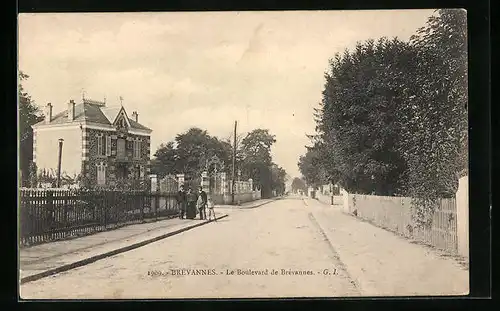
[234, 163]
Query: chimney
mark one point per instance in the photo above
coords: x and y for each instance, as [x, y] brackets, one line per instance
[135, 116]
[71, 110]
[48, 113]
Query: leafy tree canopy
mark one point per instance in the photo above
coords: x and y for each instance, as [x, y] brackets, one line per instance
[192, 150]
[393, 117]
[29, 114]
[298, 184]
[190, 153]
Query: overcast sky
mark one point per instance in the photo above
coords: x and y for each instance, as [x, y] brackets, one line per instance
[207, 69]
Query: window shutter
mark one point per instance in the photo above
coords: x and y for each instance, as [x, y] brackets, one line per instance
[99, 145]
[139, 149]
[108, 145]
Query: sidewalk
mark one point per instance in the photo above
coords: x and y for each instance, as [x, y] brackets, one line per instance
[384, 264]
[55, 257]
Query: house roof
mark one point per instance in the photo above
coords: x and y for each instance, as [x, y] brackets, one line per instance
[111, 112]
[92, 111]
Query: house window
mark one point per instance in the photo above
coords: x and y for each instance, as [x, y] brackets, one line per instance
[103, 145]
[108, 145]
[137, 149]
[101, 174]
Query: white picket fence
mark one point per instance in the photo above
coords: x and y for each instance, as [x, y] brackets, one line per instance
[449, 230]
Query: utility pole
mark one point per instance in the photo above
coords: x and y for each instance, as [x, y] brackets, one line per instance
[59, 163]
[234, 163]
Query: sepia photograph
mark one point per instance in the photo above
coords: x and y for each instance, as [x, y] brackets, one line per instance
[243, 154]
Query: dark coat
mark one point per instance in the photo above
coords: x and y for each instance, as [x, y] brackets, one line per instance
[203, 195]
[181, 197]
[191, 197]
[191, 205]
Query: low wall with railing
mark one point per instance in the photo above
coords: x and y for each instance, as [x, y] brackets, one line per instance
[226, 199]
[395, 214]
[49, 215]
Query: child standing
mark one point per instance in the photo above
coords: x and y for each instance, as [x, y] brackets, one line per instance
[211, 211]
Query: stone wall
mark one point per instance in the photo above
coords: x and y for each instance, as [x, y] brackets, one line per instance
[226, 199]
[327, 199]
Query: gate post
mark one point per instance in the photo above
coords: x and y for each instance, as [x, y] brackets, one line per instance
[154, 182]
[205, 182]
[223, 183]
[180, 180]
[154, 191]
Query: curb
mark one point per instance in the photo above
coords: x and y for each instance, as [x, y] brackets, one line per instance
[356, 284]
[243, 207]
[95, 258]
[273, 200]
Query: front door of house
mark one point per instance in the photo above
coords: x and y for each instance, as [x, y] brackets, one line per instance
[120, 148]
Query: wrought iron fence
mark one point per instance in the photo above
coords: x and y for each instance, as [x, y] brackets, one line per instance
[49, 215]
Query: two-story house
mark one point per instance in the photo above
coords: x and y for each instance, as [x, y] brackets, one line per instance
[101, 144]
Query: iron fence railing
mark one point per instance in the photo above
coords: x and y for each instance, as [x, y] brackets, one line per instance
[49, 215]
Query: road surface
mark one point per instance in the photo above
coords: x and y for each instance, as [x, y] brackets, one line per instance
[276, 250]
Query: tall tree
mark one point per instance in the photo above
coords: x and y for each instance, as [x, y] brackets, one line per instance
[257, 159]
[394, 114]
[435, 116]
[311, 167]
[434, 136]
[358, 135]
[298, 184]
[195, 147]
[164, 161]
[29, 114]
[278, 179]
[190, 153]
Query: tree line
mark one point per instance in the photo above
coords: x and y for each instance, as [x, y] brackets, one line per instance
[191, 151]
[29, 114]
[393, 115]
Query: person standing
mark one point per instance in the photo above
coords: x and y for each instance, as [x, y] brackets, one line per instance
[191, 199]
[202, 199]
[181, 202]
[210, 204]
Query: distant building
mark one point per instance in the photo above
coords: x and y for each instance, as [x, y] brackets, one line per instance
[102, 145]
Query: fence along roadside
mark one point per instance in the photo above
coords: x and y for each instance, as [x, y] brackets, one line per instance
[395, 214]
[50, 215]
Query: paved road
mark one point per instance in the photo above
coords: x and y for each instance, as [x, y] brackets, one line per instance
[279, 236]
[316, 250]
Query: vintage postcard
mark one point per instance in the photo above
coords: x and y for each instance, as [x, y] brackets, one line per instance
[243, 154]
